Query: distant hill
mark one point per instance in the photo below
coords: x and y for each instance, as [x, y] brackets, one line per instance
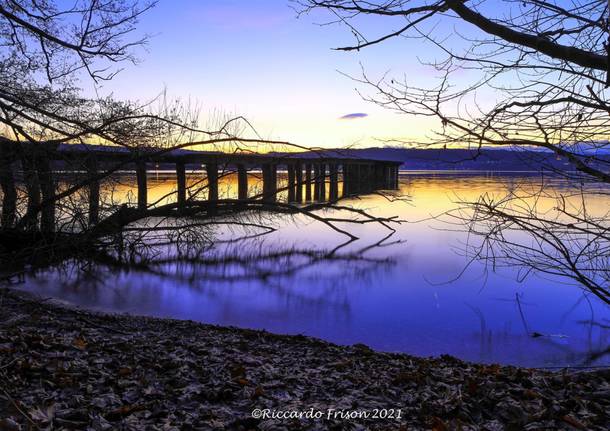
[461, 159]
[487, 159]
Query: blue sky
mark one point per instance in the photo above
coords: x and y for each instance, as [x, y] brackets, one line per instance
[257, 59]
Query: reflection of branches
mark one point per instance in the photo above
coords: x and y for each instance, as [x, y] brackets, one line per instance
[192, 254]
[565, 239]
[594, 323]
[127, 215]
[594, 356]
[246, 260]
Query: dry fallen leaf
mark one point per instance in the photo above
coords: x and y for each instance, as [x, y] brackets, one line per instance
[79, 343]
[122, 411]
[438, 424]
[258, 392]
[238, 371]
[43, 415]
[574, 422]
[125, 371]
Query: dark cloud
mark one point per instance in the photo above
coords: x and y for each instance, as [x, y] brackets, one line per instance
[354, 116]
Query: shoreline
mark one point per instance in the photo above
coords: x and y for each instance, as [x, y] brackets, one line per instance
[80, 369]
[101, 311]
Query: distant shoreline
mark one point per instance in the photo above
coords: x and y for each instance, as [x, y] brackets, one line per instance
[171, 172]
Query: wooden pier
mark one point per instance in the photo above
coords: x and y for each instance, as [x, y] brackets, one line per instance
[306, 172]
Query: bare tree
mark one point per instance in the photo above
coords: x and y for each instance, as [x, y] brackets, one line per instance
[46, 49]
[547, 64]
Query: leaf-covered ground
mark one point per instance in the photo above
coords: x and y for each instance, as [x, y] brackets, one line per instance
[62, 368]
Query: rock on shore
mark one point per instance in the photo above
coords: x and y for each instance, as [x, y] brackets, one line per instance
[62, 368]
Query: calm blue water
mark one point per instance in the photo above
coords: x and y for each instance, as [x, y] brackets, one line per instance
[406, 297]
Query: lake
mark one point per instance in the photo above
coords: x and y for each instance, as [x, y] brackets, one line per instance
[411, 294]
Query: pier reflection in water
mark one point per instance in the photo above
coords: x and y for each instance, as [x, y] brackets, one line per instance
[402, 296]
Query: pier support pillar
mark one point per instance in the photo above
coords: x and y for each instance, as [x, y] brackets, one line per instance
[266, 178]
[32, 186]
[350, 179]
[387, 177]
[308, 168]
[93, 188]
[298, 171]
[345, 177]
[274, 179]
[364, 179]
[181, 184]
[212, 174]
[367, 178]
[379, 178]
[142, 184]
[242, 182]
[359, 180]
[316, 182]
[291, 183]
[334, 182]
[269, 182]
[396, 184]
[322, 180]
[7, 184]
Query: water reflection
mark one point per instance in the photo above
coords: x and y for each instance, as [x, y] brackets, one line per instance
[402, 295]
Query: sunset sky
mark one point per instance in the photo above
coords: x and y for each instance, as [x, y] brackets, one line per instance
[256, 58]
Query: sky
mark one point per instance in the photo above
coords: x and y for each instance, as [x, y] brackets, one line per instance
[258, 59]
